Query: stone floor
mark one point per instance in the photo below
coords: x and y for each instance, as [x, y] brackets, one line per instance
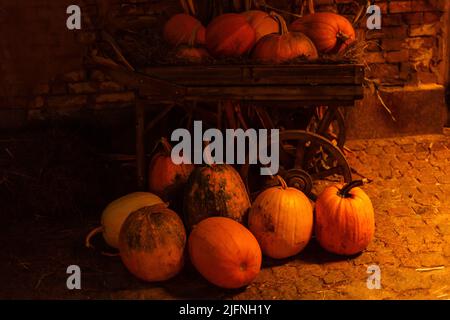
[411, 196]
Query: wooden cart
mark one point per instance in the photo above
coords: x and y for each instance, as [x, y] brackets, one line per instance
[313, 155]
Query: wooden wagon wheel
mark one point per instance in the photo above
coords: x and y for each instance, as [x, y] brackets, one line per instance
[335, 130]
[325, 121]
[308, 162]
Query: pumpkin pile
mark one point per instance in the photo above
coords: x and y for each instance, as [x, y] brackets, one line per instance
[222, 232]
[264, 37]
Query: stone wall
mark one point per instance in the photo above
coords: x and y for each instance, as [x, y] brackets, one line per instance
[44, 72]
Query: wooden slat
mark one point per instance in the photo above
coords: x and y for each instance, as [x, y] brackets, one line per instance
[259, 75]
[271, 93]
[277, 93]
[314, 84]
[137, 81]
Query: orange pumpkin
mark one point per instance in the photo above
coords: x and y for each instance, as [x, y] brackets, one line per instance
[216, 190]
[192, 54]
[183, 29]
[284, 46]
[330, 32]
[224, 252]
[166, 178]
[281, 218]
[229, 35]
[345, 222]
[152, 242]
[262, 23]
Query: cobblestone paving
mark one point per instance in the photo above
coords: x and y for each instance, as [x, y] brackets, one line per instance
[411, 196]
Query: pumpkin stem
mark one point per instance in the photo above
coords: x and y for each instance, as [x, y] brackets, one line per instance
[90, 235]
[342, 36]
[191, 42]
[191, 6]
[166, 146]
[247, 5]
[282, 182]
[344, 192]
[281, 22]
[311, 7]
[185, 6]
[157, 207]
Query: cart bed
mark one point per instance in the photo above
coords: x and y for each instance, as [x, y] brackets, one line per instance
[328, 84]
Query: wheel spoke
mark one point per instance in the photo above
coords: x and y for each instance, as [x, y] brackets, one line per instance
[333, 129]
[326, 173]
[299, 155]
[325, 122]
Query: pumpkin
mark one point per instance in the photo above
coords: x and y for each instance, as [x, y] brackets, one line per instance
[284, 46]
[281, 218]
[152, 242]
[229, 35]
[183, 29]
[262, 23]
[192, 54]
[215, 190]
[224, 252]
[117, 211]
[330, 32]
[345, 222]
[166, 178]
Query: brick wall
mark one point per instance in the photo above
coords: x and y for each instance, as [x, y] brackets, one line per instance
[44, 71]
[35, 49]
[43, 67]
[410, 48]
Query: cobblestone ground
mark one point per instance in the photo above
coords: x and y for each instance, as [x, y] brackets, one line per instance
[411, 196]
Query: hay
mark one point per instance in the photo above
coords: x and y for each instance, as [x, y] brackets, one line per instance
[146, 47]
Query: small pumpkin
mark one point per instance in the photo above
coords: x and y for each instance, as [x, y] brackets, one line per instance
[262, 22]
[215, 190]
[152, 242]
[330, 32]
[345, 221]
[192, 54]
[166, 178]
[224, 252]
[281, 218]
[117, 211]
[229, 35]
[182, 28]
[284, 46]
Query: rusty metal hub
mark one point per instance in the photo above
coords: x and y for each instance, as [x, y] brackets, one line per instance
[299, 179]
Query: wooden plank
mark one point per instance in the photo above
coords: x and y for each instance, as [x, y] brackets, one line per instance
[328, 94]
[277, 93]
[137, 81]
[307, 75]
[258, 75]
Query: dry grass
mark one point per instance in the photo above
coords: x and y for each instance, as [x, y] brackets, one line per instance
[146, 47]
